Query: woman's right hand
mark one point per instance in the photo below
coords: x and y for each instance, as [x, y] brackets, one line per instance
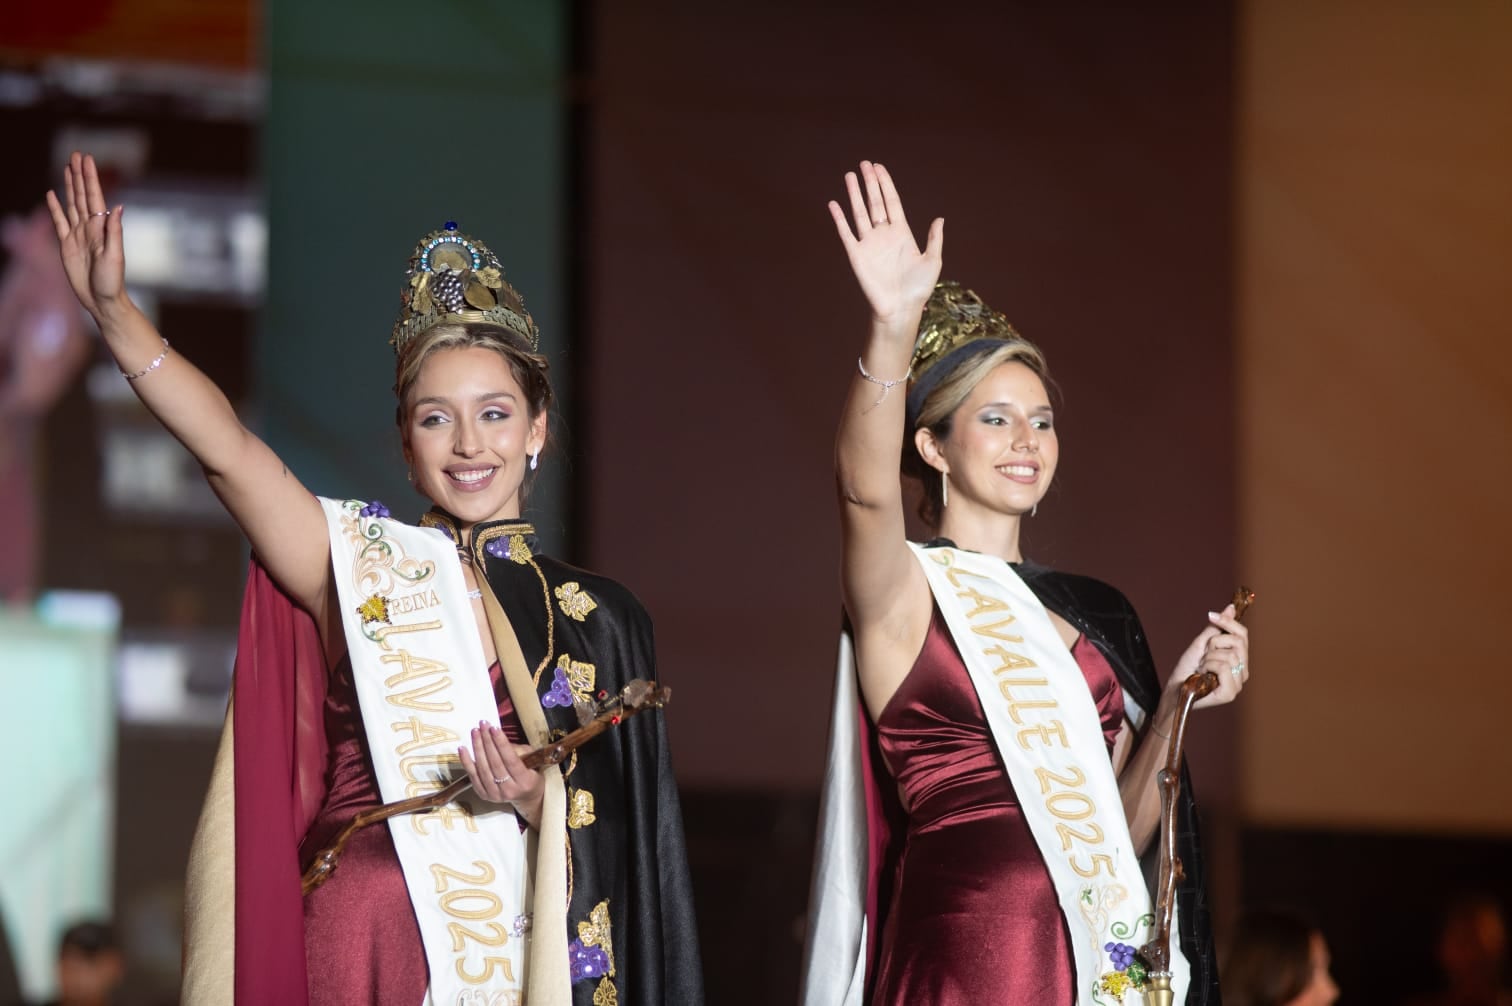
[1221, 649]
[89, 239]
[894, 275]
[283, 520]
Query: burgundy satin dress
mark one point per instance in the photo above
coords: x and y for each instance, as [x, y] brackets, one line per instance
[362, 943]
[974, 918]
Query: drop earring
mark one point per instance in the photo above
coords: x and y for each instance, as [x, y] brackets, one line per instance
[1034, 509]
[535, 459]
[944, 489]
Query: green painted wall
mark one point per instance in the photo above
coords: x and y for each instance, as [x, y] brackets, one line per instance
[385, 120]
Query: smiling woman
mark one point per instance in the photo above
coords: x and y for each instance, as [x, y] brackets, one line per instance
[991, 777]
[1006, 400]
[473, 416]
[376, 662]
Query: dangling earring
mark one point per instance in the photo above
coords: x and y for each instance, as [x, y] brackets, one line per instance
[535, 459]
[944, 489]
[411, 476]
[1034, 509]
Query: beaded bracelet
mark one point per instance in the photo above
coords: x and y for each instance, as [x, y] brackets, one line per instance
[155, 364]
[885, 385]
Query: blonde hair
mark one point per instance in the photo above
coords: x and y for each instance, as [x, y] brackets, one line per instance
[938, 409]
[528, 367]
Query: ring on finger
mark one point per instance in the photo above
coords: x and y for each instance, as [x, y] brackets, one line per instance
[101, 213]
[1238, 669]
[500, 782]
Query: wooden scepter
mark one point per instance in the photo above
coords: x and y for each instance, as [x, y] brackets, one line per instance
[1157, 952]
[638, 695]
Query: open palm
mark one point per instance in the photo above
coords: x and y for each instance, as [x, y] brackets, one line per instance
[89, 237]
[894, 274]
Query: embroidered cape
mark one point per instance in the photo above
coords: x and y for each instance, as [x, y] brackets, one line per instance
[630, 912]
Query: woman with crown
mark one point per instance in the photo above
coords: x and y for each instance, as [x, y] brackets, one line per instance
[376, 662]
[998, 726]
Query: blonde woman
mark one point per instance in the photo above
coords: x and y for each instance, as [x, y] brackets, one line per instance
[998, 725]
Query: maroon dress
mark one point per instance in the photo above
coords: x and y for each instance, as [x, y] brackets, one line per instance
[973, 918]
[362, 943]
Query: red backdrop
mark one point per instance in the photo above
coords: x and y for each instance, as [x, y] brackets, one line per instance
[1083, 165]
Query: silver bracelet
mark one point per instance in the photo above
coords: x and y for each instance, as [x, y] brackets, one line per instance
[155, 364]
[885, 385]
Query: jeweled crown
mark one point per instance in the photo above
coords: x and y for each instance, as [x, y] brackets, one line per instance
[454, 278]
[954, 317]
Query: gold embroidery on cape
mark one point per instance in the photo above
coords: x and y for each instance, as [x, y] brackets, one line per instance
[595, 932]
[512, 530]
[433, 519]
[580, 677]
[575, 601]
[519, 551]
[605, 995]
[580, 808]
[550, 624]
[524, 557]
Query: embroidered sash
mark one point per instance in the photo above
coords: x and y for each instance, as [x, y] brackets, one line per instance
[1048, 733]
[419, 670]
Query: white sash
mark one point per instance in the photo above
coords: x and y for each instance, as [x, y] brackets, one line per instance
[422, 686]
[1049, 735]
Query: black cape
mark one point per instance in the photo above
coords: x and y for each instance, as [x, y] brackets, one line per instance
[625, 832]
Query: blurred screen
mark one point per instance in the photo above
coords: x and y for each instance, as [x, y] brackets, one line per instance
[175, 680]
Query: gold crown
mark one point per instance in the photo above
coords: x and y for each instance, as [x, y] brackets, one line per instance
[954, 317]
[456, 278]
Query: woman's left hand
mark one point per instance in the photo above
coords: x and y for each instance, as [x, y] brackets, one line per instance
[1223, 649]
[498, 774]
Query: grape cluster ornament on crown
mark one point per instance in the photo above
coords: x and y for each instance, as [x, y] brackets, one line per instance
[455, 278]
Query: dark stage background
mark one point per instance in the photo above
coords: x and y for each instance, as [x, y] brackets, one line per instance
[1262, 245]
[1085, 183]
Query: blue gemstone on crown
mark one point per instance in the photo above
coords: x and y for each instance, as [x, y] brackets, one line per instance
[451, 225]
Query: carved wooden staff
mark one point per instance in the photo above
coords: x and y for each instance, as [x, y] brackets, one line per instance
[1157, 952]
[635, 697]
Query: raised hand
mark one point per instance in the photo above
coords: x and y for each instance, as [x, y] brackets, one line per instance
[89, 238]
[894, 275]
